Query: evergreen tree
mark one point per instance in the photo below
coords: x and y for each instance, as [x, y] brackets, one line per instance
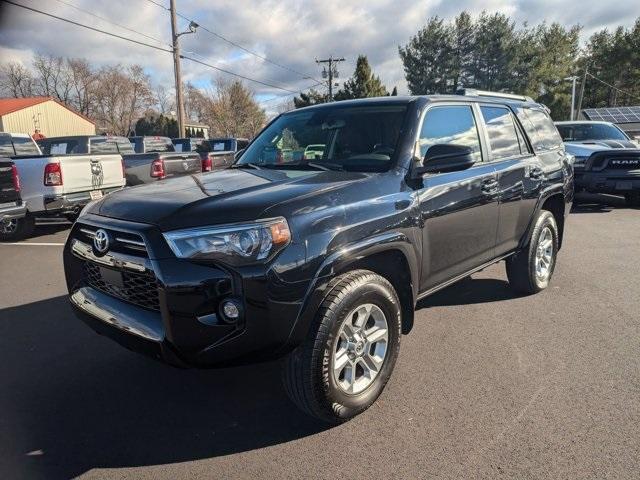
[394, 93]
[363, 83]
[312, 98]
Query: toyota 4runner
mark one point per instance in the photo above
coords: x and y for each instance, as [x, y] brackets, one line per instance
[322, 259]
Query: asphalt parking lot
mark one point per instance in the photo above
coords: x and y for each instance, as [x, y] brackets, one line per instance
[488, 385]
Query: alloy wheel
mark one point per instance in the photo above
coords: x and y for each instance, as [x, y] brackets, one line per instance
[544, 254]
[361, 348]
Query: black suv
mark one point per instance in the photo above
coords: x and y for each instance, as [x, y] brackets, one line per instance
[323, 259]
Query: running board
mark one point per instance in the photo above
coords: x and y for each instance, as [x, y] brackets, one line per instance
[461, 276]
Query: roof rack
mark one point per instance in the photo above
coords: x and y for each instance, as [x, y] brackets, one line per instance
[472, 92]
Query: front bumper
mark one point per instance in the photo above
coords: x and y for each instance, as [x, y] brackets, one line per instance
[70, 203]
[608, 181]
[185, 327]
[9, 211]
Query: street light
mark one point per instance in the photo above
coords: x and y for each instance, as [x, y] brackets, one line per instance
[573, 94]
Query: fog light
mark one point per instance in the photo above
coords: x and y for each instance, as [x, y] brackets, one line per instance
[230, 310]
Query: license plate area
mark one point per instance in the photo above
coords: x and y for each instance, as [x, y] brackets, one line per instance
[112, 277]
[95, 194]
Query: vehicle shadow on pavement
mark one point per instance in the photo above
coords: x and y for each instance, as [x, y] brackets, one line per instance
[72, 401]
[469, 291]
[595, 203]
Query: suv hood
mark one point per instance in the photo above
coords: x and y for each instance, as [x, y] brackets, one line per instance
[219, 197]
[597, 145]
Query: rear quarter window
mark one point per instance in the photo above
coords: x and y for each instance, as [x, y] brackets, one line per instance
[540, 129]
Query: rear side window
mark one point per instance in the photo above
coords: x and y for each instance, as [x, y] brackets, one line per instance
[450, 125]
[102, 145]
[6, 146]
[502, 131]
[25, 146]
[159, 144]
[540, 128]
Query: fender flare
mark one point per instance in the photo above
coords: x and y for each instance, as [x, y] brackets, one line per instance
[339, 260]
[553, 190]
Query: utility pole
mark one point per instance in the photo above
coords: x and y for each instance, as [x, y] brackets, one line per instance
[331, 72]
[573, 95]
[584, 80]
[176, 64]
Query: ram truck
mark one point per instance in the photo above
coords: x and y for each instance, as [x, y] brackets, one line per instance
[57, 185]
[322, 260]
[606, 159]
[156, 158]
[215, 153]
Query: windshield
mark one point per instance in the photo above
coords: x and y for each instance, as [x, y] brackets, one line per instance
[355, 138]
[590, 131]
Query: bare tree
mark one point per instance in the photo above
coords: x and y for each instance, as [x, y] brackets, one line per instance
[286, 106]
[82, 79]
[52, 78]
[122, 96]
[233, 110]
[16, 80]
[162, 99]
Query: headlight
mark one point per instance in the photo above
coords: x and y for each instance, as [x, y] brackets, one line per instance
[579, 160]
[234, 244]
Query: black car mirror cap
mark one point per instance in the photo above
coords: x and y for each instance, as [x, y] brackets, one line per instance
[441, 158]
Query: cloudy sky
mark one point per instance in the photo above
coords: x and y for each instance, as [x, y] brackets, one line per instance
[287, 32]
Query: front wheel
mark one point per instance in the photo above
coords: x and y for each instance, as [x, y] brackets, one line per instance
[349, 355]
[530, 270]
[16, 228]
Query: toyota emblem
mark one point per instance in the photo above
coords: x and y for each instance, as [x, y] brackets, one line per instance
[101, 242]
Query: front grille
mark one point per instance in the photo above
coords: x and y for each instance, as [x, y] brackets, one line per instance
[138, 288]
[123, 242]
[624, 163]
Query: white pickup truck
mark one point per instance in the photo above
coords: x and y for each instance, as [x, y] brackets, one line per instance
[58, 185]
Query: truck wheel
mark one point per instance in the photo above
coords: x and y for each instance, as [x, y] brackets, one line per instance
[632, 199]
[350, 352]
[17, 228]
[530, 270]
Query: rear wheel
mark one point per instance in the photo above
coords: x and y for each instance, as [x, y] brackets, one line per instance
[17, 228]
[530, 270]
[348, 357]
[632, 199]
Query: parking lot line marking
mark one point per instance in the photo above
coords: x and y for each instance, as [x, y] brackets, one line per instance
[37, 244]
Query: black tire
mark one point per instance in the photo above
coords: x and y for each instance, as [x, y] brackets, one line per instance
[308, 371]
[17, 228]
[632, 199]
[521, 267]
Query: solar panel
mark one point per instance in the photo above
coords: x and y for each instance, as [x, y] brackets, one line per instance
[614, 114]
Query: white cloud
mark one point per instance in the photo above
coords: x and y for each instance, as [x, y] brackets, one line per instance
[289, 32]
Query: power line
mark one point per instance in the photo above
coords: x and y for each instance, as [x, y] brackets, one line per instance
[237, 74]
[612, 86]
[88, 27]
[284, 95]
[237, 45]
[113, 23]
[148, 45]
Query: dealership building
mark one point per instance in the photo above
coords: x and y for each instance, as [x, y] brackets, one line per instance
[51, 117]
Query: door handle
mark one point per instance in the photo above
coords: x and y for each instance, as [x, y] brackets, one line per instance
[489, 186]
[536, 173]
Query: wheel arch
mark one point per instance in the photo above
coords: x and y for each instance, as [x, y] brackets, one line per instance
[390, 255]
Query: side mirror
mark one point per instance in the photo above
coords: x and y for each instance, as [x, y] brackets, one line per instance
[446, 157]
[238, 154]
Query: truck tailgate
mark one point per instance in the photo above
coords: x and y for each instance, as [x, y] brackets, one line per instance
[181, 164]
[8, 193]
[81, 173]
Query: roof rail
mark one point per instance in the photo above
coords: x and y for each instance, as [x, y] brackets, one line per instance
[472, 92]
